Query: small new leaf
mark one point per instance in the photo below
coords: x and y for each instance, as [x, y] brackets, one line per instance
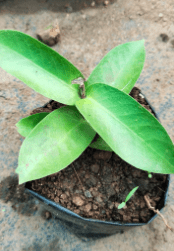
[131, 193]
[128, 197]
[121, 205]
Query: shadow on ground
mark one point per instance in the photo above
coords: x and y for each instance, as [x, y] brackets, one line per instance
[32, 6]
[21, 202]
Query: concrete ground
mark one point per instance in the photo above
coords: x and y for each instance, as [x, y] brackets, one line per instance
[86, 36]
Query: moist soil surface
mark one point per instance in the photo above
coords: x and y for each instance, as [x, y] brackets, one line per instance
[98, 181]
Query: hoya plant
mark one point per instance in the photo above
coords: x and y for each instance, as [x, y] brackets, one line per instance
[99, 105]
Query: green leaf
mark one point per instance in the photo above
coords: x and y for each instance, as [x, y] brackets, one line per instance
[38, 66]
[131, 193]
[128, 128]
[121, 67]
[121, 205]
[26, 125]
[101, 145]
[53, 144]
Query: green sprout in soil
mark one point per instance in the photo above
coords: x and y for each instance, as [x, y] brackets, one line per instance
[99, 105]
[149, 175]
[128, 197]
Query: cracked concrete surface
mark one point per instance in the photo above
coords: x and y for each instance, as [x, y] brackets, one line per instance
[86, 36]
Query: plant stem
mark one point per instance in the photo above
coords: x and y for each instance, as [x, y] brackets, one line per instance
[82, 90]
[81, 82]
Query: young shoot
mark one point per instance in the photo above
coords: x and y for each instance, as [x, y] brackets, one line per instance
[128, 197]
[149, 175]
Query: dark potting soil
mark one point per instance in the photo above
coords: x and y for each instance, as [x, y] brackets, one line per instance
[98, 181]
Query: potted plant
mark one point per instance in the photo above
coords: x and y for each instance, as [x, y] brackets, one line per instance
[97, 113]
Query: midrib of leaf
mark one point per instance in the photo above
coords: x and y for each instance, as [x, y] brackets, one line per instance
[42, 68]
[100, 105]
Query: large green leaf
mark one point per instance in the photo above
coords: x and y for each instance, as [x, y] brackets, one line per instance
[128, 128]
[53, 144]
[26, 125]
[121, 67]
[38, 66]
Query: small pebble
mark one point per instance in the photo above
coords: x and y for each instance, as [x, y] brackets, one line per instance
[160, 15]
[116, 204]
[126, 218]
[84, 16]
[95, 207]
[50, 36]
[98, 199]
[87, 207]
[76, 211]
[106, 3]
[78, 201]
[95, 168]
[56, 199]
[47, 215]
[141, 95]
[88, 194]
[110, 205]
[63, 196]
[93, 4]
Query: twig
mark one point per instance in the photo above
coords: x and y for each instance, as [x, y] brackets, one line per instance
[156, 211]
[78, 177]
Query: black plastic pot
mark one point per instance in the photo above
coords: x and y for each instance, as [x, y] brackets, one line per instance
[88, 227]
